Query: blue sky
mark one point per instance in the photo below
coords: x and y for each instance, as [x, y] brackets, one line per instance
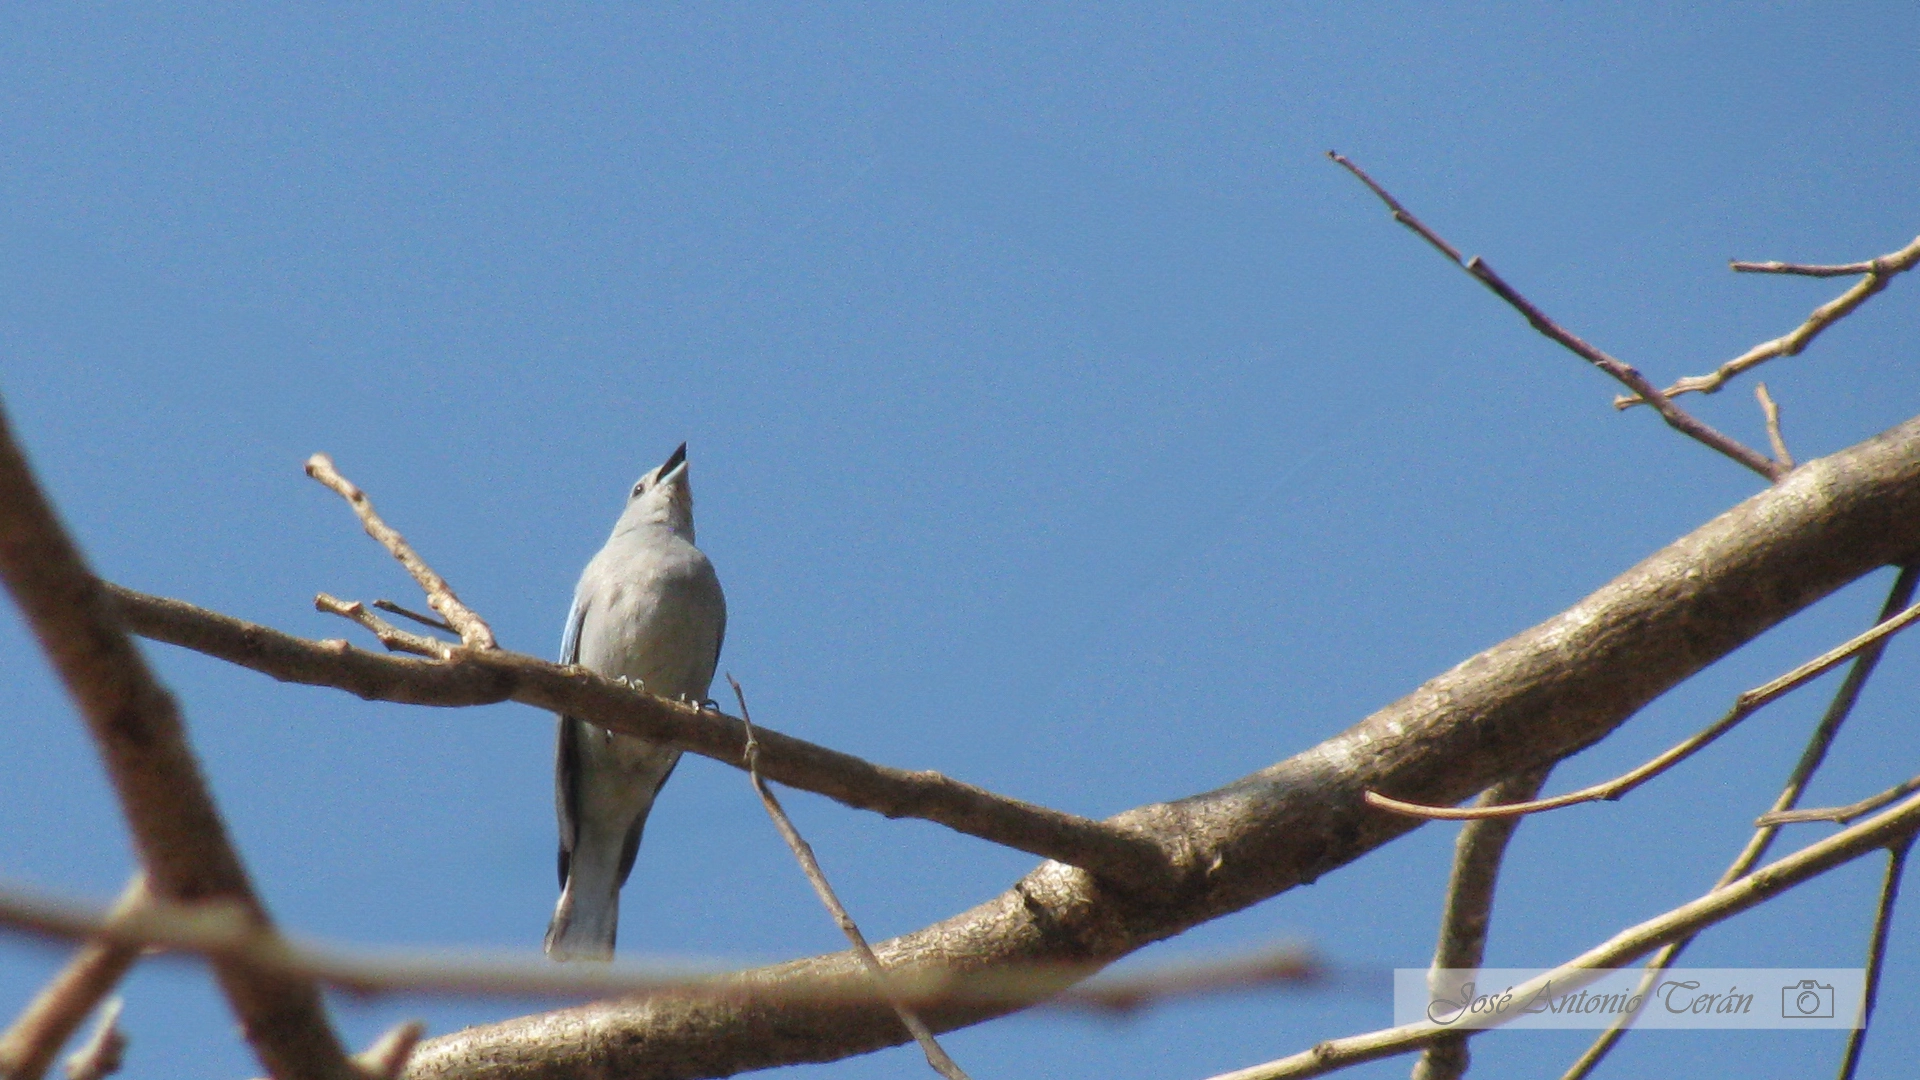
[1060, 419]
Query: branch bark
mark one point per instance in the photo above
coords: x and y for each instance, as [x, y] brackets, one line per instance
[471, 677]
[1532, 700]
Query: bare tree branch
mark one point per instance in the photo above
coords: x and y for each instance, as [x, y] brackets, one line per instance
[1840, 814]
[1532, 700]
[1879, 273]
[1877, 952]
[1895, 827]
[409, 613]
[1677, 418]
[30, 1045]
[394, 638]
[1477, 855]
[1116, 853]
[136, 727]
[472, 629]
[936, 1055]
[1748, 703]
[1811, 756]
[218, 930]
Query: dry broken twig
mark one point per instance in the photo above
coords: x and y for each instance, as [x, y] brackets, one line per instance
[1893, 827]
[1879, 273]
[1745, 705]
[1626, 374]
[1772, 412]
[387, 1058]
[473, 631]
[936, 1055]
[30, 1045]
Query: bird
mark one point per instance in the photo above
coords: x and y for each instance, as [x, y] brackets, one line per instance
[648, 611]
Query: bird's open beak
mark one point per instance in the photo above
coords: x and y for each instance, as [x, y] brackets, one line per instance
[675, 468]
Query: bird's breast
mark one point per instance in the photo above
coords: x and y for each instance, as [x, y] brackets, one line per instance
[658, 622]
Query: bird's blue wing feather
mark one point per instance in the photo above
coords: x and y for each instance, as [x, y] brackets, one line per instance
[570, 637]
[566, 772]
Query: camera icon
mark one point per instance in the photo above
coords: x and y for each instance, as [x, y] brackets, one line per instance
[1807, 1000]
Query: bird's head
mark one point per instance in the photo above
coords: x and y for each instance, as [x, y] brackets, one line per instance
[662, 497]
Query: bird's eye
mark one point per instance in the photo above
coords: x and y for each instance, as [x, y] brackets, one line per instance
[637, 489]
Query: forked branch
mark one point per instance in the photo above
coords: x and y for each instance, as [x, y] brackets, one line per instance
[1879, 273]
[1626, 374]
[472, 629]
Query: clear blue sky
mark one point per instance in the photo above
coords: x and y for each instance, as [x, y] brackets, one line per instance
[1060, 419]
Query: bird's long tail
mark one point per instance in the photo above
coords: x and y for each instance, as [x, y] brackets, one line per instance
[588, 915]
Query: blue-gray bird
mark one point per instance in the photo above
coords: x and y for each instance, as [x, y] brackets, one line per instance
[648, 609]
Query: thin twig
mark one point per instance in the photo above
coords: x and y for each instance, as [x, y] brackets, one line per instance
[1626, 374]
[1477, 854]
[1893, 826]
[802, 851]
[30, 1045]
[218, 931]
[473, 630]
[1811, 757]
[1868, 266]
[1772, 412]
[1116, 853]
[1877, 953]
[137, 730]
[100, 1055]
[387, 1058]
[1400, 213]
[1879, 273]
[1840, 814]
[394, 638]
[1744, 706]
[409, 613]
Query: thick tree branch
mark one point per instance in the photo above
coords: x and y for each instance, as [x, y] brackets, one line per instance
[1529, 701]
[1745, 705]
[136, 727]
[483, 677]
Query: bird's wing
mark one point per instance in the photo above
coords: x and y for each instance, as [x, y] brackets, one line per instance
[566, 755]
[570, 637]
